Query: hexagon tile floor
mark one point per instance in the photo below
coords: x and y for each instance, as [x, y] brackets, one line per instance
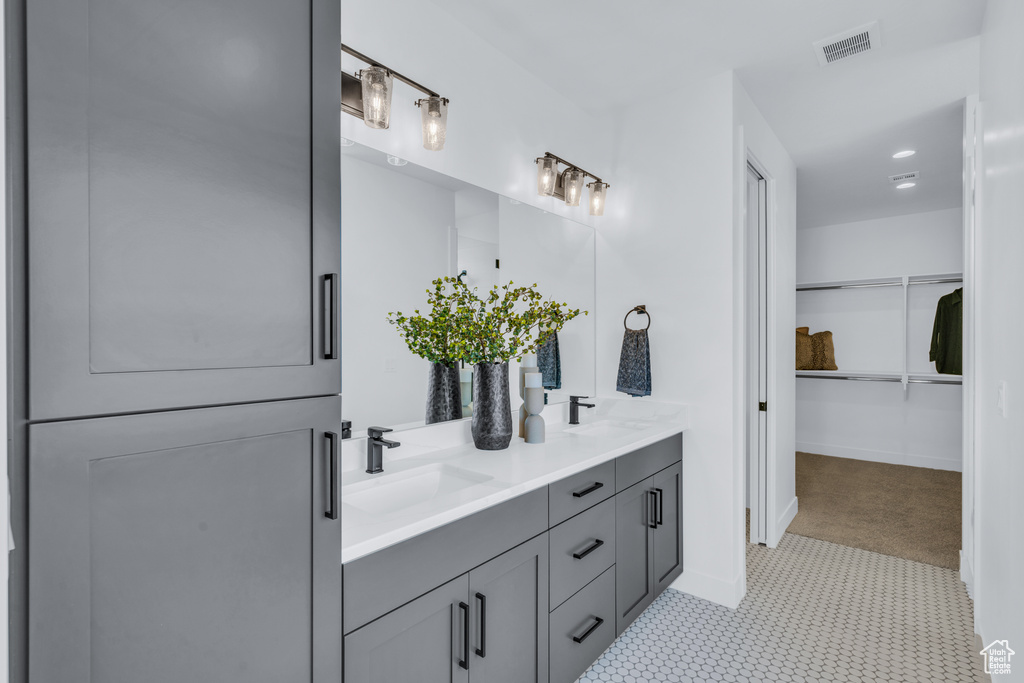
[814, 611]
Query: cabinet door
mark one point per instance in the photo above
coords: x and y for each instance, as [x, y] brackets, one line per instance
[668, 537]
[424, 641]
[634, 566]
[183, 189]
[509, 595]
[185, 546]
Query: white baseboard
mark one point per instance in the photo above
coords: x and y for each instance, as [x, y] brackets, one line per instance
[713, 589]
[967, 575]
[888, 457]
[785, 519]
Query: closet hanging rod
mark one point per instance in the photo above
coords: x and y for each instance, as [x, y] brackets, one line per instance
[889, 378]
[884, 283]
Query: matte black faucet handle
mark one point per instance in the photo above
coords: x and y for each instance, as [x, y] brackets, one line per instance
[377, 432]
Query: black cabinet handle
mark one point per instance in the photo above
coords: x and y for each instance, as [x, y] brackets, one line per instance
[464, 663]
[586, 634]
[591, 548]
[661, 507]
[332, 445]
[329, 317]
[590, 489]
[652, 520]
[481, 651]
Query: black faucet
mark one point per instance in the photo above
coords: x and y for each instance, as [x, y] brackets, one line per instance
[375, 448]
[346, 429]
[574, 408]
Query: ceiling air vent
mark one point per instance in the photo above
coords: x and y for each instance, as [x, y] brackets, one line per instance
[904, 177]
[848, 43]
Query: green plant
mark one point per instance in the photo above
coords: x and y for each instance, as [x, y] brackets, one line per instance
[501, 326]
[436, 337]
[495, 329]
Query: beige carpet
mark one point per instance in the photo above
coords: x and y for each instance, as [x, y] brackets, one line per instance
[908, 512]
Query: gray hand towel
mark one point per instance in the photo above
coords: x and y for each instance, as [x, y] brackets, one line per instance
[550, 362]
[635, 364]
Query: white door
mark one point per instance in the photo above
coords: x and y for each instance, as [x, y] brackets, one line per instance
[757, 355]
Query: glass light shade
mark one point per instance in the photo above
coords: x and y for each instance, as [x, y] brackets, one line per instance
[547, 176]
[572, 183]
[598, 194]
[434, 112]
[376, 96]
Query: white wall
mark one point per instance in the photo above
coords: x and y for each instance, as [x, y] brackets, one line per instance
[758, 143]
[872, 420]
[999, 435]
[377, 280]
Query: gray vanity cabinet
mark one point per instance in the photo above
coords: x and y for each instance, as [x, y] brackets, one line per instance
[489, 625]
[423, 641]
[183, 194]
[648, 541]
[186, 546]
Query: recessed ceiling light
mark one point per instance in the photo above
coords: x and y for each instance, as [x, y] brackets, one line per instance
[904, 154]
[904, 186]
[396, 161]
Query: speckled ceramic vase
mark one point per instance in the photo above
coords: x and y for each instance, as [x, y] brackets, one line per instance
[444, 394]
[492, 409]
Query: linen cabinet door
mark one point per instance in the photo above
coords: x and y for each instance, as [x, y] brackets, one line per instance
[186, 546]
[634, 565]
[509, 595]
[668, 537]
[424, 641]
[183, 194]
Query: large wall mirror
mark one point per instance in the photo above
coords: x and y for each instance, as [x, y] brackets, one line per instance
[403, 226]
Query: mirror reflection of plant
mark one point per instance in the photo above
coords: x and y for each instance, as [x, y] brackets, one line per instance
[437, 337]
[501, 326]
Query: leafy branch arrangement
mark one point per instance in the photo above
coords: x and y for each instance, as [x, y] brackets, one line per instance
[436, 337]
[495, 329]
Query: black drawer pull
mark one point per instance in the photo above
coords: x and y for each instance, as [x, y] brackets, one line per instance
[329, 316]
[480, 651]
[661, 507]
[652, 519]
[586, 634]
[591, 548]
[464, 663]
[332, 445]
[590, 489]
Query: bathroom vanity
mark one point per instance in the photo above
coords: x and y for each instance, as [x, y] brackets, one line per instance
[521, 565]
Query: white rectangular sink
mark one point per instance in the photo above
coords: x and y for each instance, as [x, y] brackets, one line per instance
[391, 494]
[608, 429]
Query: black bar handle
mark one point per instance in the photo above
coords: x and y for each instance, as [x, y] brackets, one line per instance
[332, 444]
[590, 489]
[464, 663]
[661, 507]
[652, 520]
[481, 651]
[329, 318]
[591, 548]
[586, 634]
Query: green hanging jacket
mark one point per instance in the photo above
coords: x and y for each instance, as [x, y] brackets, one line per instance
[948, 334]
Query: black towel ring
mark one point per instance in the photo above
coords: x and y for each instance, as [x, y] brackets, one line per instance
[639, 309]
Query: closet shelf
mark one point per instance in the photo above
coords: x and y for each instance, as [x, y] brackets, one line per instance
[931, 279]
[912, 378]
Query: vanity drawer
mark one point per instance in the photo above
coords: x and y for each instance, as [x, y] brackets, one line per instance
[636, 466]
[580, 550]
[582, 628]
[574, 494]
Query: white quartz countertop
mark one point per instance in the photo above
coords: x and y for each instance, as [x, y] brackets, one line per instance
[438, 476]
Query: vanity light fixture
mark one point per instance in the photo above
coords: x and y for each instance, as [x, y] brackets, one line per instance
[567, 185]
[367, 95]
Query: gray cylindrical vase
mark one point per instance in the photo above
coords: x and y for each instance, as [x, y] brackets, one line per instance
[492, 408]
[444, 394]
[534, 423]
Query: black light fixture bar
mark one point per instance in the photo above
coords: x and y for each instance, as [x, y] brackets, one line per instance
[352, 90]
[562, 161]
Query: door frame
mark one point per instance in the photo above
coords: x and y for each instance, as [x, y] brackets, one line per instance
[768, 484]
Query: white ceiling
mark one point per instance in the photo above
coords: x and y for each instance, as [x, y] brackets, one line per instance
[840, 123]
